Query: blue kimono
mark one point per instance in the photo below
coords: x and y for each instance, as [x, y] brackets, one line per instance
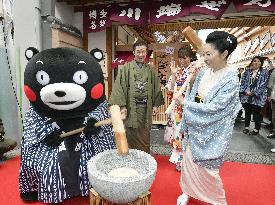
[258, 87]
[208, 126]
[40, 169]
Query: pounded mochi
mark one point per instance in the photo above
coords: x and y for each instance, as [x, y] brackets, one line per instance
[123, 172]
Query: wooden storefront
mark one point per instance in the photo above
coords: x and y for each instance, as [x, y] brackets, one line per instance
[256, 41]
[230, 19]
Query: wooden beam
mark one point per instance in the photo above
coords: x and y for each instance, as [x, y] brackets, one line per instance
[152, 46]
[85, 41]
[78, 7]
[78, 3]
[229, 30]
[127, 47]
[63, 1]
[217, 23]
[115, 35]
[83, 2]
[136, 34]
[109, 51]
[120, 41]
[74, 2]
[143, 33]
[234, 30]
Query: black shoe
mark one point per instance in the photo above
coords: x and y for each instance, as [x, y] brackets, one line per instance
[253, 132]
[239, 119]
[2, 158]
[272, 135]
[7, 145]
[245, 131]
[29, 196]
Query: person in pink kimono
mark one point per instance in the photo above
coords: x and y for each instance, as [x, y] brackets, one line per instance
[178, 76]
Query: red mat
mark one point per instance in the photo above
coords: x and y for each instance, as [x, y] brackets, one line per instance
[245, 184]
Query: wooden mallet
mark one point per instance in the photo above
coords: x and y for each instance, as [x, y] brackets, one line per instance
[193, 38]
[119, 130]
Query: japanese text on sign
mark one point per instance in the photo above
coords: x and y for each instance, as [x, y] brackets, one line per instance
[162, 64]
[169, 10]
[97, 19]
[130, 13]
[259, 3]
[212, 5]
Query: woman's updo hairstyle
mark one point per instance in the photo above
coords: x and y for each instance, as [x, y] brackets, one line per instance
[222, 41]
[186, 51]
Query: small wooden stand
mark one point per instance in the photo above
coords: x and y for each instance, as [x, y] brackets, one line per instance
[95, 199]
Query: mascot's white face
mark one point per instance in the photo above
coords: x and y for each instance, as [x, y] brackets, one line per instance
[63, 96]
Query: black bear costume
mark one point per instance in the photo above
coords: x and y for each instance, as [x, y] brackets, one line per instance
[65, 87]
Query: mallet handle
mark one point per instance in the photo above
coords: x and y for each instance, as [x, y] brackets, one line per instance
[79, 130]
[181, 90]
[119, 130]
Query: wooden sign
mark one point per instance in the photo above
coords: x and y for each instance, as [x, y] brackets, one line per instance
[162, 61]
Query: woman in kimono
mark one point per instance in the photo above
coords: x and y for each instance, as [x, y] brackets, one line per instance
[178, 76]
[253, 92]
[208, 124]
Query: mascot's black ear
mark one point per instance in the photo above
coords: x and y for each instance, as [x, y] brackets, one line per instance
[30, 52]
[97, 54]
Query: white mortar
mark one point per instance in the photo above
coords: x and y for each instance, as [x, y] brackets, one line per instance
[122, 189]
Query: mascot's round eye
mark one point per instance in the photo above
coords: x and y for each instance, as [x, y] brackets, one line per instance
[80, 77]
[42, 77]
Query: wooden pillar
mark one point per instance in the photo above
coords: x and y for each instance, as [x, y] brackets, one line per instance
[85, 41]
[109, 51]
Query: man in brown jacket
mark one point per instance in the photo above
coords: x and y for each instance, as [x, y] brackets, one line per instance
[137, 91]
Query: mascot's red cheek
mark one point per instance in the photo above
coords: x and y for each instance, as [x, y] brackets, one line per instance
[30, 93]
[97, 91]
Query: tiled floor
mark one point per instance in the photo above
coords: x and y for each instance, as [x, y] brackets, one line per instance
[243, 148]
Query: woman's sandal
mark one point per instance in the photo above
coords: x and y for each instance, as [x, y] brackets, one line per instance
[253, 132]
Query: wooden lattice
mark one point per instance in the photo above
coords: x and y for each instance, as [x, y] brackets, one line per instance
[96, 199]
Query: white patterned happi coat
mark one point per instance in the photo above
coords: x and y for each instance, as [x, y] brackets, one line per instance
[40, 169]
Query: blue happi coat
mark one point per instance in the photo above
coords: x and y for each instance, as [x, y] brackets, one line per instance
[208, 126]
[259, 89]
[40, 169]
